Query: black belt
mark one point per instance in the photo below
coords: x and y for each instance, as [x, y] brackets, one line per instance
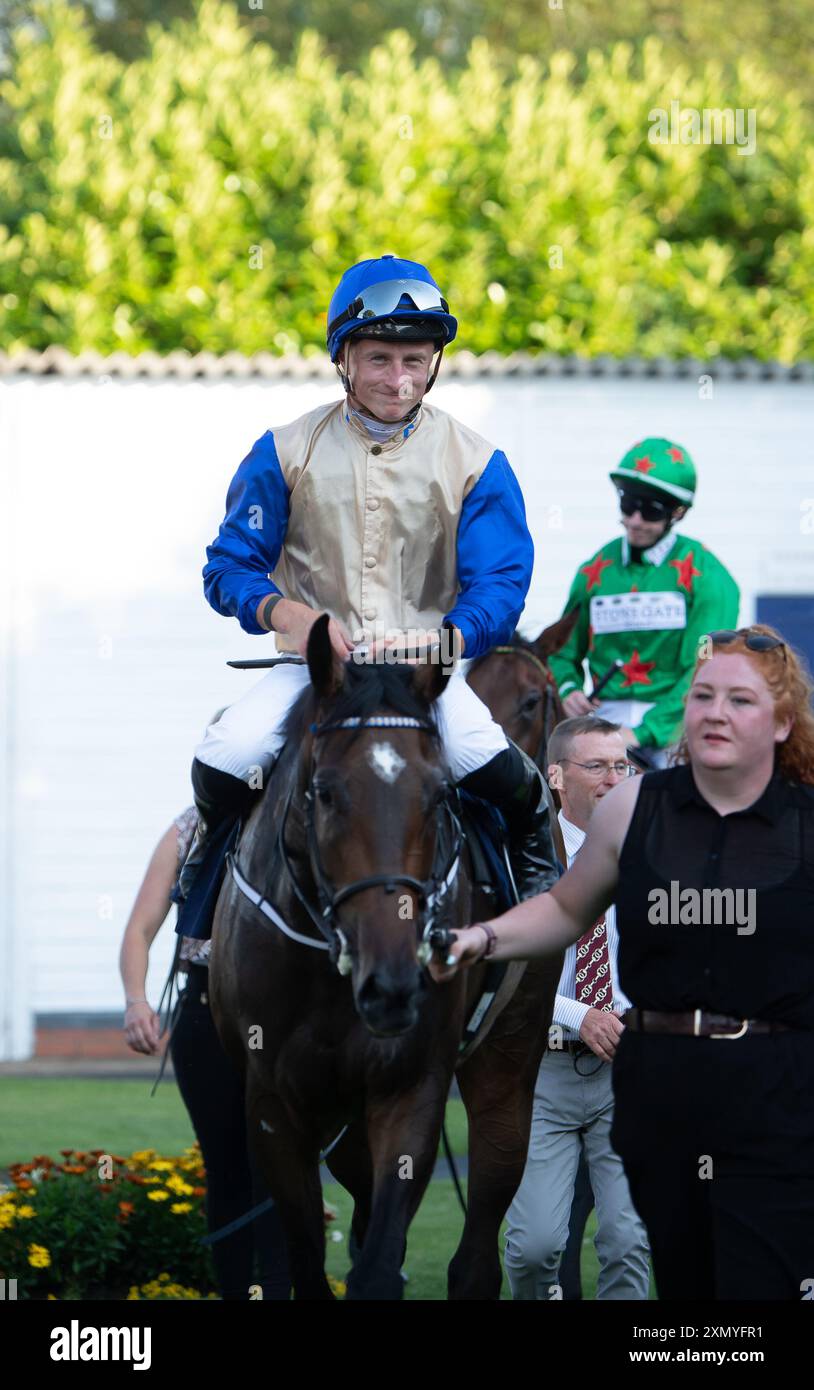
[698, 1023]
[574, 1045]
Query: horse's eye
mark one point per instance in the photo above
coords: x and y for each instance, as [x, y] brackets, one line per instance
[324, 795]
[439, 794]
[531, 702]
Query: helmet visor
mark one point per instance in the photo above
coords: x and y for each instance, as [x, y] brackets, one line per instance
[385, 298]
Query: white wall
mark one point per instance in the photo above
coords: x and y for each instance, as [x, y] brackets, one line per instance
[113, 661]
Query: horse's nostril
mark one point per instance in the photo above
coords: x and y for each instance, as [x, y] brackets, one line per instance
[388, 1002]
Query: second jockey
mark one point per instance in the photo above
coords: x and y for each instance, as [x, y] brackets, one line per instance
[393, 518]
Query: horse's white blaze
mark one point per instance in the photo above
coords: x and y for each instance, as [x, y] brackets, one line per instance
[385, 761]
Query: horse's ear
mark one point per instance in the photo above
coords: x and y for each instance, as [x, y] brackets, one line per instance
[431, 677]
[323, 668]
[553, 637]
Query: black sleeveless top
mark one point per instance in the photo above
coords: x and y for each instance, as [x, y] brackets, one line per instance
[749, 952]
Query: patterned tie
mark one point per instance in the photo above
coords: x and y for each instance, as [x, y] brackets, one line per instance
[593, 978]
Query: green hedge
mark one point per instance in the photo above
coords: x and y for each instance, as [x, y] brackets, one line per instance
[208, 197]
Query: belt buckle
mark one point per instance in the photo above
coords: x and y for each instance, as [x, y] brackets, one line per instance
[732, 1036]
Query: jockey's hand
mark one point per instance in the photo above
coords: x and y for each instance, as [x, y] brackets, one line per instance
[296, 621]
[142, 1030]
[601, 1031]
[412, 654]
[466, 948]
[577, 703]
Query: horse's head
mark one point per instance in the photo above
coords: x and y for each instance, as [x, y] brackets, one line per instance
[516, 684]
[380, 837]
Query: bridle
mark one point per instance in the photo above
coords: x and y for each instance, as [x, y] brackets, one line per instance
[549, 691]
[432, 893]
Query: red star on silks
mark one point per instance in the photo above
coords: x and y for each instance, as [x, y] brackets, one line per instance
[593, 572]
[643, 465]
[685, 571]
[676, 454]
[636, 670]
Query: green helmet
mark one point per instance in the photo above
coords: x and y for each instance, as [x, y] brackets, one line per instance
[659, 465]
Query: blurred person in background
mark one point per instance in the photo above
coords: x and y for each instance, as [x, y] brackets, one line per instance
[644, 600]
[210, 1086]
[573, 1098]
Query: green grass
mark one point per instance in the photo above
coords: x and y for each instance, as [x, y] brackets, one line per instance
[433, 1237]
[42, 1116]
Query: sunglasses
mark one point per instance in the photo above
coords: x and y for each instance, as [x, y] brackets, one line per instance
[651, 508]
[754, 641]
[385, 297]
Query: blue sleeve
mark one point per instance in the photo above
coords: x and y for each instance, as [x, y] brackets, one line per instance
[248, 544]
[495, 559]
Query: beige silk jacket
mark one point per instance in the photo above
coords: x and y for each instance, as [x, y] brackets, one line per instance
[387, 537]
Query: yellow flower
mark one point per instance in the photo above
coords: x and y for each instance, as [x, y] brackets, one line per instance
[161, 1165]
[38, 1257]
[142, 1156]
[160, 1196]
[26, 1212]
[6, 1219]
[181, 1206]
[176, 1184]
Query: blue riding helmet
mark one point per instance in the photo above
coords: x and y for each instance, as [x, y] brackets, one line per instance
[389, 292]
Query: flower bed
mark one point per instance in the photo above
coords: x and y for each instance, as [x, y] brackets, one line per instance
[99, 1225]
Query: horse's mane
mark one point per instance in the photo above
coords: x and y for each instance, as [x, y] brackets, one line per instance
[366, 688]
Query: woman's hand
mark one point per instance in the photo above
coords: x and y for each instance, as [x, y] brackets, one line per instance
[142, 1030]
[466, 948]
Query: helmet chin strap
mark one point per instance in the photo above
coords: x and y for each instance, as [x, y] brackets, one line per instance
[353, 399]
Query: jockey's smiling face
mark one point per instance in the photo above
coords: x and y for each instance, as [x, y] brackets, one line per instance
[388, 379]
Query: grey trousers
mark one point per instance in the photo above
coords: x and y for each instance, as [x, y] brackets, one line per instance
[567, 1105]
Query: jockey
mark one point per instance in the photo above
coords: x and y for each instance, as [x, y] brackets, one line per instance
[393, 518]
[644, 601]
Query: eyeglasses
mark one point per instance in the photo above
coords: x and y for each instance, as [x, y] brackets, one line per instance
[755, 641]
[651, 508]
[597, 769]
[386, 296]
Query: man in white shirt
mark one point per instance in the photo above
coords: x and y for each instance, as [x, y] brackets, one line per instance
[573, 1099]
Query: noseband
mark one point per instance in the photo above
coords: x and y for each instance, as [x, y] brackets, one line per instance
[432, 893]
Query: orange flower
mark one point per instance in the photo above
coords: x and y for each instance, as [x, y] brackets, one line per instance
[127, 1207]
[66, 1153]
[23, 1185]
[199, 1191]
[73, 1168]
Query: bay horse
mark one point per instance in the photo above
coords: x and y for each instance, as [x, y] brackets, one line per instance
[515, 682]
[360, 797]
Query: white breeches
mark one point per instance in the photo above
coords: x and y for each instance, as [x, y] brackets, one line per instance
[248, 734]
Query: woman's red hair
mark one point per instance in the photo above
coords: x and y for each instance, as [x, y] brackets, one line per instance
[790, 683]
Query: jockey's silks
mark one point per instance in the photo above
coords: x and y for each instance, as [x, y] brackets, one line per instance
[386, 537]
[649, 613]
